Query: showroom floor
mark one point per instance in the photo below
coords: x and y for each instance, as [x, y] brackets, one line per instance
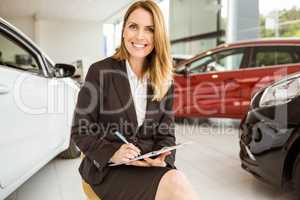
[211, 163]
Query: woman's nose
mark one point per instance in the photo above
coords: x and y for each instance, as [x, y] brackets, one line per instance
[140, 34]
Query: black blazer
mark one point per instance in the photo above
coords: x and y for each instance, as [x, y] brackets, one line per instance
[105, 105]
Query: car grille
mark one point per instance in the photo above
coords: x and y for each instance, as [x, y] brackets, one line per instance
[246, 134]
[243, 152]
[245, 139]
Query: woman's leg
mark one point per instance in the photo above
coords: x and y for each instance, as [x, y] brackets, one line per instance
[175, 186]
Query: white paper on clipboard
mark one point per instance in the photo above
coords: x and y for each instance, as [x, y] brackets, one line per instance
[153, 153]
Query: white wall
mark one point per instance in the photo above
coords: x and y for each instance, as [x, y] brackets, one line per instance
[25, 24]
[68, 41]
[65, 41]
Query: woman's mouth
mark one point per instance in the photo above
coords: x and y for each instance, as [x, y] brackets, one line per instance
[138, 46]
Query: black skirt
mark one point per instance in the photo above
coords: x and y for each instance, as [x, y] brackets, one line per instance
[130, 183]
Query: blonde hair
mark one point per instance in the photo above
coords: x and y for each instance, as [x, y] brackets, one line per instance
[158, 63]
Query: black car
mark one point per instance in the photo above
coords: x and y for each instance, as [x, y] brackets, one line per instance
[270, 134]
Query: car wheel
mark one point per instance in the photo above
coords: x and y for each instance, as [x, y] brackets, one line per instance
[296, 176]
[71, 152]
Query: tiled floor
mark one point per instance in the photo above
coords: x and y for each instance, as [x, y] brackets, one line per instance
[211, 163]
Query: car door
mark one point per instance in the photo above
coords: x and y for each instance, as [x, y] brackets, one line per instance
[25, 140]
[210, 86]
[268, 64]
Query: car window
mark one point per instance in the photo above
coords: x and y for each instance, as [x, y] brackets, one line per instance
[296, 50]
[220, 61]
[268, 56]
[15, 56]
[199, 66]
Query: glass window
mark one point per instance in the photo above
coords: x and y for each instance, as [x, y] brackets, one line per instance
[296, 53]
[279, 18]
[229, 60]
[200, 65]
[15, 56]
[221, 61]
[268, 56]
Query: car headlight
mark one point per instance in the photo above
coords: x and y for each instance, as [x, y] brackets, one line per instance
[280, 93]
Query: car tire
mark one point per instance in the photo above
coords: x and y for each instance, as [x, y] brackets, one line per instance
[70, 153]
[296, 176]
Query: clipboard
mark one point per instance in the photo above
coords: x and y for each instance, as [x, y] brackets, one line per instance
[152, 153]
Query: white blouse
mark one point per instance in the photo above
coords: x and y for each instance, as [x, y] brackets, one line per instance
[139, 93]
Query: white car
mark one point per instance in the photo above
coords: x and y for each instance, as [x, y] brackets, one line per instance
[37, 101]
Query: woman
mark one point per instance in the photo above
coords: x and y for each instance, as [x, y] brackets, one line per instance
[132, 93]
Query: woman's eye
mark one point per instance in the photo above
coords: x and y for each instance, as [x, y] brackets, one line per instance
[150, 30]
[133, 26]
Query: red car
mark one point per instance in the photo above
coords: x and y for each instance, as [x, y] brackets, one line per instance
[220, 82]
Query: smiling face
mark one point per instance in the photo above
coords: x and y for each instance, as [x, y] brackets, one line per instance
[138, 34]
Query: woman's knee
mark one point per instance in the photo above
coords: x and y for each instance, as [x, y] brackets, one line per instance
[175, 179]
[174, 185]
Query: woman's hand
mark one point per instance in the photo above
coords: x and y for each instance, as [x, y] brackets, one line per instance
[149, 162]
[125, 153]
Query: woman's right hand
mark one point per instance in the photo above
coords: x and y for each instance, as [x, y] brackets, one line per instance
[125, 153]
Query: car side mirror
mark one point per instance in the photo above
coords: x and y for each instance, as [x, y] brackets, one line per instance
[64, 70]
[211, 64]
[211, 67]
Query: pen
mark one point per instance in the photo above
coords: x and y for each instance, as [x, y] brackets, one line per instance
[119, 135]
